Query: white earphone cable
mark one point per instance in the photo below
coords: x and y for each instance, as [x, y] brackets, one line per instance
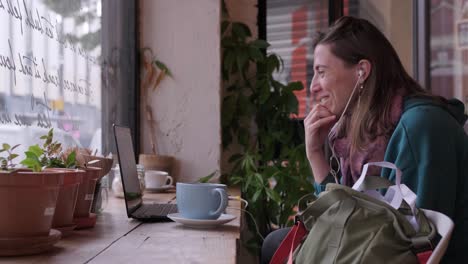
[334, 172]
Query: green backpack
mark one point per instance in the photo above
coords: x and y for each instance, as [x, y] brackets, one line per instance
[349, 226]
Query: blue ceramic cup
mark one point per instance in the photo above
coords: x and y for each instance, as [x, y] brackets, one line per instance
[201, 200]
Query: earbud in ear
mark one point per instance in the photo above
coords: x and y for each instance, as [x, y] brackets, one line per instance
[360, 72]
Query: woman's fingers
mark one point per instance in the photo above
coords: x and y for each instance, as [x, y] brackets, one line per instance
[323, 121]
[317, 124]
[317, 113]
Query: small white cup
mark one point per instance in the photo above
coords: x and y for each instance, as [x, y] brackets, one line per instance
[157, 179]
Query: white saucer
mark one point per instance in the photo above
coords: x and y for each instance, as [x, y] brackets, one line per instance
[199, 223]
[160, 189]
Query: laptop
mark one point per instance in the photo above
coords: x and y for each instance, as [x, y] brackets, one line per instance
[136, 208]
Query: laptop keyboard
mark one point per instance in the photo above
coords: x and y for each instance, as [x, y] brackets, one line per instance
[150, 210]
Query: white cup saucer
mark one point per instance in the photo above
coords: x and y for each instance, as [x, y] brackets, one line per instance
[201, 223]
[159, 189]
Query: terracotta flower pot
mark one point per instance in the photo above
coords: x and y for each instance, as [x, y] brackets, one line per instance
[86, 191]
[67, 197]
[28, 202]
[104, 163]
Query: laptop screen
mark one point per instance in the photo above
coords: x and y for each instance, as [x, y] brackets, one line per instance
[128, 170]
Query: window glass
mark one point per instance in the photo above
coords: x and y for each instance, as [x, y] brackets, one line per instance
[50, 74]
[291, 25]
[394, 18]
[68, 65]
[449, 48]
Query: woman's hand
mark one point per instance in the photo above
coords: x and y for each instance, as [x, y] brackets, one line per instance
[317, 125]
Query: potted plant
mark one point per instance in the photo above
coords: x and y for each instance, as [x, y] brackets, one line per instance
[268, 158]
[28, 201]
[152, 74]
[48, 157]
[82, 215]
[105, 164]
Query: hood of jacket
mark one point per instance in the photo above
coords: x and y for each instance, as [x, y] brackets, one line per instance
[455, 107]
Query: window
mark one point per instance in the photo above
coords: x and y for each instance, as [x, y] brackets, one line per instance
[290, 27]
[449, 49]
[57, 64]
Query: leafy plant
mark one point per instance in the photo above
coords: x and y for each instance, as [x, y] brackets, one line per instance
[48, 156]
[271, 165]
[207, 178]
[153, 73]
[6, 163]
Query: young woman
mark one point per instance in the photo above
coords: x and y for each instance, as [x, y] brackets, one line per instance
[369, 109]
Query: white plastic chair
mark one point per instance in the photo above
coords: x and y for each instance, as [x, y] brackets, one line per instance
[444, 227]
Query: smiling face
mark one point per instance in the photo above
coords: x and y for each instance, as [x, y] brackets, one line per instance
[333, 80]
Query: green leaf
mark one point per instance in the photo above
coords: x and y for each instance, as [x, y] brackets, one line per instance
[229, 60]
[241, 60]
[228, 43]
[256, 195]
[272, 194]
[36, 150]
[241, 30]
[71, 160]
[293, 104]
[31, 155]
[12, 156]
[259, 178]
[248, 182]
[163, 67]
[260, 43]
[255, 53]
[205, 179]
[264, 91]
[296, 86]
[273, 63]
[6, 146]
[247, 163]
[3, 163]
[30, 162]
[47, 142]
[55, 163]
[15, 146]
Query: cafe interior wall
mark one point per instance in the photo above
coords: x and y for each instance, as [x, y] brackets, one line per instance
[185, 35]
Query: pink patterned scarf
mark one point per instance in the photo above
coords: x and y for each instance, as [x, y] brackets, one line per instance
[351, 166]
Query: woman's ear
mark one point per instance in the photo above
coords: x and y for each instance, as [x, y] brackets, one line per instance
[364, 69]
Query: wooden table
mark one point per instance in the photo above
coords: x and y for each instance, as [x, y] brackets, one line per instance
[117, 239]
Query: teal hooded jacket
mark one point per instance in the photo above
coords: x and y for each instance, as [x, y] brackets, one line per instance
[430, 146]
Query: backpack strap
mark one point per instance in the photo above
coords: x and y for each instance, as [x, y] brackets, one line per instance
[289, 244]
[344, 212]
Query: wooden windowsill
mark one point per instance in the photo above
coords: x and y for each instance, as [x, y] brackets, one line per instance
[118, 239]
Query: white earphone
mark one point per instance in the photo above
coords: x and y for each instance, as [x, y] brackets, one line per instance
[360, 73]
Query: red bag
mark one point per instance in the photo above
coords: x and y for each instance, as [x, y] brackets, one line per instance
[289, 244]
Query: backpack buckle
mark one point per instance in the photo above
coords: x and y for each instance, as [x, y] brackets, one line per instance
[423, 244]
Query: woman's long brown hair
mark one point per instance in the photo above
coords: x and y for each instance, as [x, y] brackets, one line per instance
[352, 40]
